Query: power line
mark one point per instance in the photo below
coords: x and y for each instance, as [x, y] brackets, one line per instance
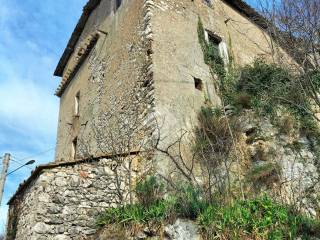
[20, 163]
[36, 155]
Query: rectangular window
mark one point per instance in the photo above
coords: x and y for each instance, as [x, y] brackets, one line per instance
[74, 148]
[217, 45]
[118, 3]
[77, 104]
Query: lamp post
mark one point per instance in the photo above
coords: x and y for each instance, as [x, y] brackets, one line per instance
[3, 178]
[28, 163]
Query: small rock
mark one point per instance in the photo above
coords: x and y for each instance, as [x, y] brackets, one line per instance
[42, 228]
[61, 237]
[182, 230]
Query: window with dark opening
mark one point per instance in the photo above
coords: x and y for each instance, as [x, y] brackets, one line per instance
[74, 148]
[217, 47]
[213, 38]
[198, 84]
[208, 2]
[118, 3]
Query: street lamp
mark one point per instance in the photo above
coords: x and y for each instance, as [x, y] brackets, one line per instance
[28, 163]
[4, 175]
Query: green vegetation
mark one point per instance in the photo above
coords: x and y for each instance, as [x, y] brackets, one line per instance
[137, 213]
[259, 218]
[211, 53]
[268, 89]
[265, 172]
[189, 202]
[186, 203]
[271, 91]
[149, 191]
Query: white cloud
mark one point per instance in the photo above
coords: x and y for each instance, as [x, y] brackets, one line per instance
[27, 107]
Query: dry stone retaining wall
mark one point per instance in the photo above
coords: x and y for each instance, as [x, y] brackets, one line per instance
[63, 203]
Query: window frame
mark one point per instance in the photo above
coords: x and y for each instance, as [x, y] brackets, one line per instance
[211, 37]
[77, 105]
[74, 148]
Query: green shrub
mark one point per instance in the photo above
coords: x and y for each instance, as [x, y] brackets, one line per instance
[149, 191]
[260, 218]
[262, 78]
[189, 202]
[262, 87]
[268, 88]
[137, 213]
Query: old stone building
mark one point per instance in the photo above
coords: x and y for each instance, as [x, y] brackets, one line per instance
[131, 67]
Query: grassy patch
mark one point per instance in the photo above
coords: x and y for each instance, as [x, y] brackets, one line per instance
[186, 203]
[149, 191]
[266, 172]
[137, 213]
[259, 218]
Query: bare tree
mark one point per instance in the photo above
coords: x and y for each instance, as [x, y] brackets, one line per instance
[204, 156]
[294, 25]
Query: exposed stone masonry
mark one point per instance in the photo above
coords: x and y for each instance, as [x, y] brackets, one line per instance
[63, 203]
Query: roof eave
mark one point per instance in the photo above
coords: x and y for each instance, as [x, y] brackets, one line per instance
[87, 10]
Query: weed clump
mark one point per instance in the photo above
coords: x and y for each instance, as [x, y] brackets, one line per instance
[149, 191]
[268, 172]
[258, 218]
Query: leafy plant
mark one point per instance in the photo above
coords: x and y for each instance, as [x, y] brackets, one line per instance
[149, 191]
[189, 202]
[211, 53]
[137, 213]
[259, 218]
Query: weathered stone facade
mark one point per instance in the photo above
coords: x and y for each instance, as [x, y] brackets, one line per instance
[127, 62]
[119, 64]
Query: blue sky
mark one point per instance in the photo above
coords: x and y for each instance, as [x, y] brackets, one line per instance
[33, 34]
